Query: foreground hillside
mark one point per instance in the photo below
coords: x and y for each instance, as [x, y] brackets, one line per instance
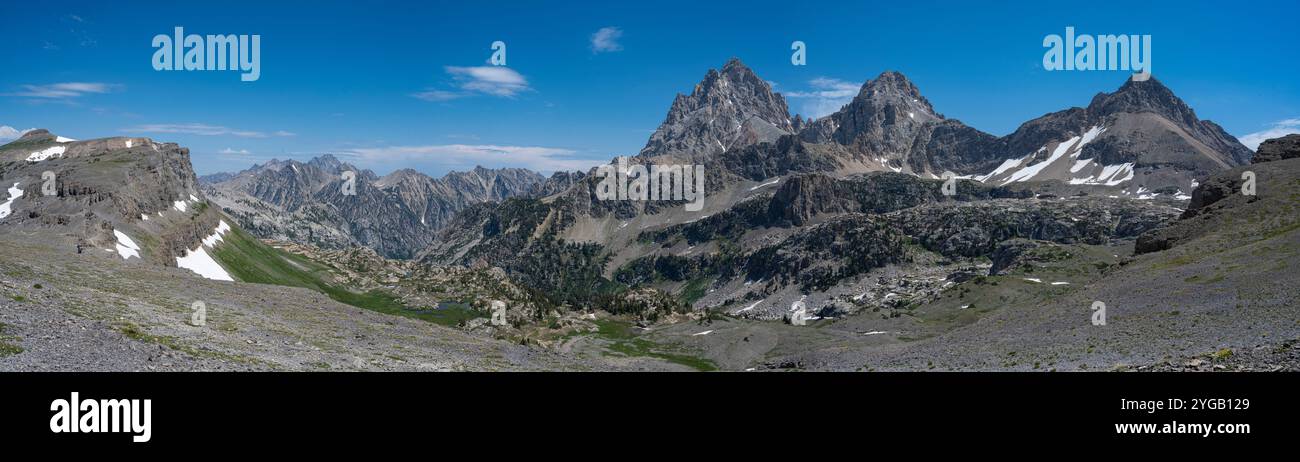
[1225, 298]
[62, 311]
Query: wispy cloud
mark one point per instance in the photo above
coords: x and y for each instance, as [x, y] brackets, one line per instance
[825, 97]
[1278, 129]
[439, 95]
[204, 130]
[9, 133]
[497, 81]
[491, 80]
[605, 40]
[543, 159]
[65, 90]
[234, 152]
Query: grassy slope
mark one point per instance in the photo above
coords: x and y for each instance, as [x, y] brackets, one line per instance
[249, 260]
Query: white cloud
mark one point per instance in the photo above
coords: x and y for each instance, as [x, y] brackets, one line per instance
[491, 80]
[826, 96]
[605, 40]
[203, 130]
[9, 133]
[234, 152]
[65, 90]
[498, 81]
[453, 156]
[1279, 129]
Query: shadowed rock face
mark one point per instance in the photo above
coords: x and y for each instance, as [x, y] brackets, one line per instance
[1287, 147]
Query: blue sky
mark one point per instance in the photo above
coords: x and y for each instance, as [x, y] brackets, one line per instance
[388, 85]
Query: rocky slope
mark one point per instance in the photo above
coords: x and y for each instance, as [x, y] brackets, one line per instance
[1287, 147]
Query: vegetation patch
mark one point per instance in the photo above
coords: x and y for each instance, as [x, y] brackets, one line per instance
[6, 348]
[623, 341]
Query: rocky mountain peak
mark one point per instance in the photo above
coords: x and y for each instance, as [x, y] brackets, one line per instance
[327, 162]
[1143, 96]
[728, 109]
[881, 122]
[894, 88]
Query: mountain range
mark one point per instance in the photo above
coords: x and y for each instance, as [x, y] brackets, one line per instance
[395, 214]
[1131, 201]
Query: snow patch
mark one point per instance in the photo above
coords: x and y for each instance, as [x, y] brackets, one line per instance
[126, 247]
[707, 332]
[202, 264]
[179, 205]
[778, 180]
[1006, 165]
[1111, 175]
[1029, 172]
[199, 261]
[7, 207]
[64, 140]
[53, 151]
[1079, 165]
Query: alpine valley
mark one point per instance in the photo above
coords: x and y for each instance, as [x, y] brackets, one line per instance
[914, 241]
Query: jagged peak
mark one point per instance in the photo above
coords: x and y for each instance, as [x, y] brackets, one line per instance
[733, 74]
[1148, 95]
[737, 70]
[891, 82]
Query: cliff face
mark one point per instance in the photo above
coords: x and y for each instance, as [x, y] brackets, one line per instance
[91, 193]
